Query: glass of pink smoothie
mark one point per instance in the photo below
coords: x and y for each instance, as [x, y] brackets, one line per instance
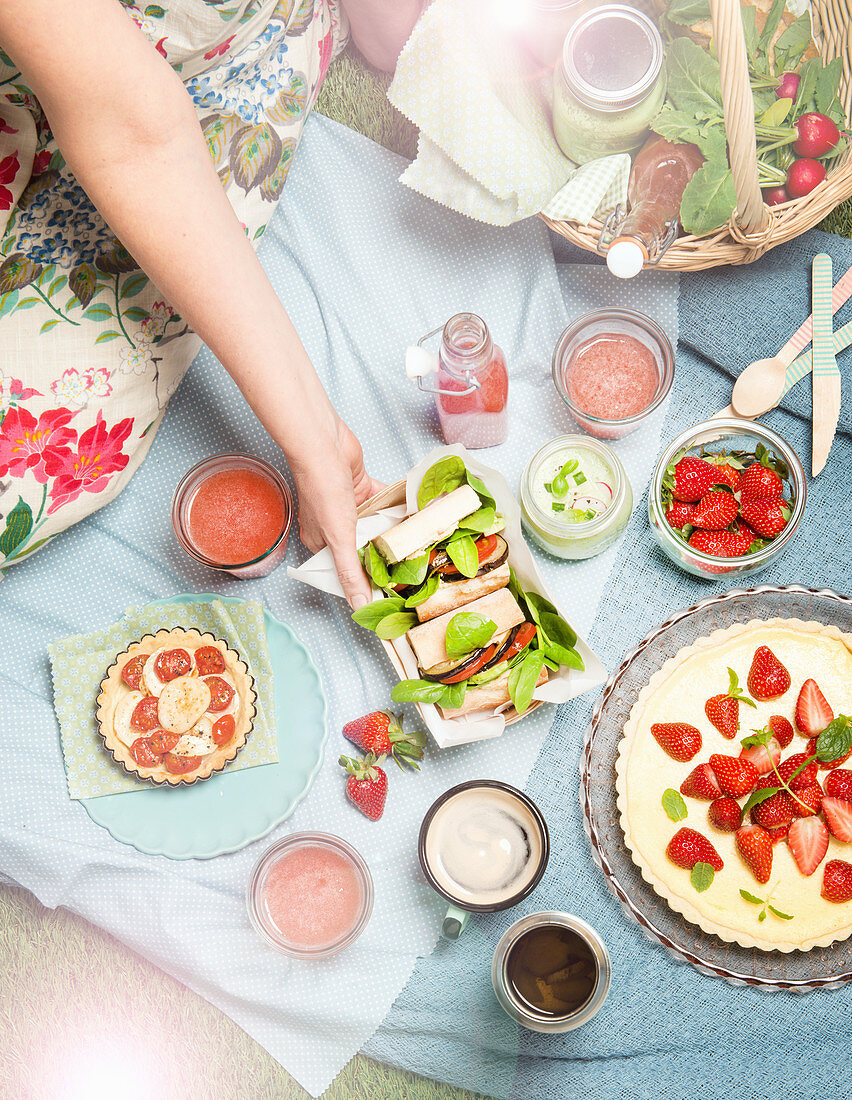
[233, 512]
[613, 368]
[310, 895]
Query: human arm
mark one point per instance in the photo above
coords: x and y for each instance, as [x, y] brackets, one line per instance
[127, 129]
[380, 28]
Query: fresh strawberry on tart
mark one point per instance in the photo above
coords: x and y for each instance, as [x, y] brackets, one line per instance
[734, 789]
[176, 706]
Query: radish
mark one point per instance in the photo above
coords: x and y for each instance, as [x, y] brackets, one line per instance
[774, 196]
[803, 177]
[789, 86]
[818, 135]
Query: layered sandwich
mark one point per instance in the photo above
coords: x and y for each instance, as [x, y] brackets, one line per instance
[480, 641]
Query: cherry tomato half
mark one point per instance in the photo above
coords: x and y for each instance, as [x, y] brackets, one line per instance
[143, 753]
[209, 660]
[485, 546]
[172, 663]
[221, 692]
[162, 741]
[144, 716]
[526, 633]
[180, 765]
[223, 729]
[471, 670]
[132, 671]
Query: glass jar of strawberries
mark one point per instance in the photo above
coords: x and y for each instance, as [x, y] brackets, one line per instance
[726, 498]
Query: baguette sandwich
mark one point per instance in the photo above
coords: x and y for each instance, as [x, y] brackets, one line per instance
[481, 642]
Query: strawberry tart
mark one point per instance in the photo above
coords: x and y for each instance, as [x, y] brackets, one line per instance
[734, 784]
[176, 706]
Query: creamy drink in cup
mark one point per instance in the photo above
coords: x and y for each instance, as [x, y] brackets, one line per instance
[483, 846]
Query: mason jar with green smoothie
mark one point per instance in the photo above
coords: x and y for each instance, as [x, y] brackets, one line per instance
[610, 83]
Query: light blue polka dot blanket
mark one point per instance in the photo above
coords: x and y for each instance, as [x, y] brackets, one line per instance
[365, 267]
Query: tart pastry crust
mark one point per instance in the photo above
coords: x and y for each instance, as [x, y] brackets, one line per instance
[677, 692]
[113, 689]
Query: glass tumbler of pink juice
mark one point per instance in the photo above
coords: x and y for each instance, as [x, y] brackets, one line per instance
[310, 895]
[613, 368]
[233, 512]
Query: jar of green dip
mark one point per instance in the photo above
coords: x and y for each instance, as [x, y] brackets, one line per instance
[575, 497]
[610, 84]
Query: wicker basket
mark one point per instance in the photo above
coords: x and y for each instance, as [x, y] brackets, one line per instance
[754, 228]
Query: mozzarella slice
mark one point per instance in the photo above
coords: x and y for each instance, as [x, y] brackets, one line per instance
[182, 702]
[121, 719]
[198, 742]
[150, 677]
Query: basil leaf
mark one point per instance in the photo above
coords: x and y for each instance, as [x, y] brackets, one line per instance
[480, 520]
[746, 896]
[396, 624]
[446, 475]
[522, 679]
[778, 913]
[370, 615]
[570, 658]
[702, 876]
[468, 631]
[557, 630]
[410, 570]
[674, 804]
[417, 691]
[453, 695]
[835, 740]
[376, 566]
[479, 485]
[462, 553]
[424, 592]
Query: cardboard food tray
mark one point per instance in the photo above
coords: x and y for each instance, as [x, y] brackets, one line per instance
[562, 685]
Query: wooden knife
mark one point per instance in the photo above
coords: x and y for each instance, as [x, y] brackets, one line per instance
[826, 376]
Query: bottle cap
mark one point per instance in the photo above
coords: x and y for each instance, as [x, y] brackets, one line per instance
[626, 257]
[419, 362]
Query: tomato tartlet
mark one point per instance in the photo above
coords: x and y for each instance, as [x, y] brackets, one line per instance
[176, 706]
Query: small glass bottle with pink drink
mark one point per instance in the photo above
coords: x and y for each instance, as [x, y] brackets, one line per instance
[472, 381]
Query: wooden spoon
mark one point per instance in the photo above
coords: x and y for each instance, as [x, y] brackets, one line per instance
[760, 386]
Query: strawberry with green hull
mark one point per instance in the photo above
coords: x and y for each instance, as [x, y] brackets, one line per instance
[480, 641]
[723, 711]
[366, 784]
[381, 733]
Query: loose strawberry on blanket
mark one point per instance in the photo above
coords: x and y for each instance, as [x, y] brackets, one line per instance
[725, 814]
[680, 740]
[701, 783]
[837, 880]
[767, 677]
[807, 840]
[767, 517]
[693, 478]
[688, 847]
[716, 510]
[755, 848]
[723, 711]
[720, 544]
[813, 712]
[381, 733]
[366, 784]
[736, 777]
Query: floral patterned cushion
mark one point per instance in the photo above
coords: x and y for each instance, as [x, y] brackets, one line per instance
[95, 351]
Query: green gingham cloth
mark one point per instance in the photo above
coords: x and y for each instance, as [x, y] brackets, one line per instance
[486, 146]
[79, 664]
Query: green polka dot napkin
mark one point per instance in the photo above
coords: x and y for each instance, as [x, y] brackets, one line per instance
[486, 146]
[79, 663]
